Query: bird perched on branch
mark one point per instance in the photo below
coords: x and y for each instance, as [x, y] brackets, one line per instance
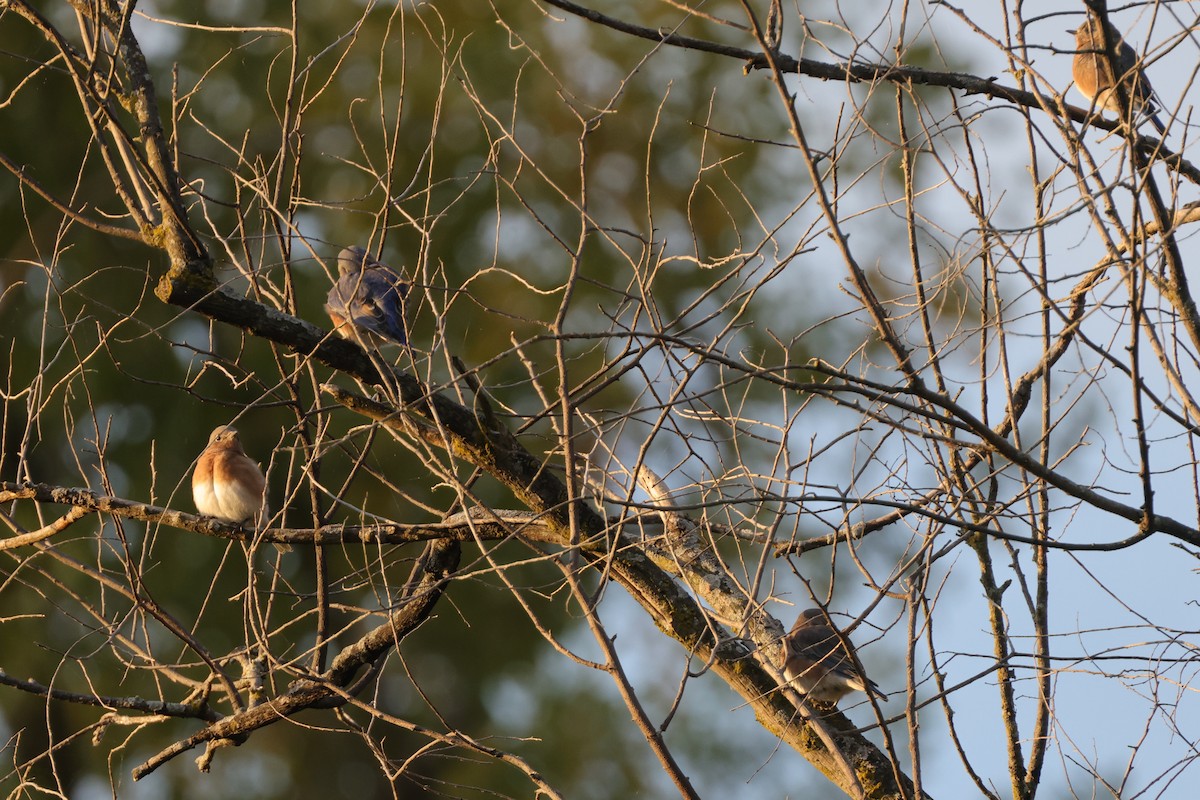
[227, 484]
[368, 297]
[1098, 49]
[816, 661]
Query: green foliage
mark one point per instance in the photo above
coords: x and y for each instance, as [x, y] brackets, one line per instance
[461, 147]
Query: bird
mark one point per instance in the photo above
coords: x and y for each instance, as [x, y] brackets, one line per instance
[368, 296]
[817, 663]
[228, 484]
[1092, 70]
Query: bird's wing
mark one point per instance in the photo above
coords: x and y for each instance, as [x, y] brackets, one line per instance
[379, 303]
[238, 486]
[372, 300]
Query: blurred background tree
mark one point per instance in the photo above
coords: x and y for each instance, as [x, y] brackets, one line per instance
[740, 311]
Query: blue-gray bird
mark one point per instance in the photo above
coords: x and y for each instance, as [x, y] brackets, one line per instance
[367, 297]
[1092, 70]
[817, 664]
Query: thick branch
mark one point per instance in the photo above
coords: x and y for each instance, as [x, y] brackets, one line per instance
[670, 605]
[161, 707]
[863, 72]
[434, 569]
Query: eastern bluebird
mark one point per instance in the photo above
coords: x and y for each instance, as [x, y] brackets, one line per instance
[368, 296]
[818, 665]
[227, 484]
[1092, 70]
